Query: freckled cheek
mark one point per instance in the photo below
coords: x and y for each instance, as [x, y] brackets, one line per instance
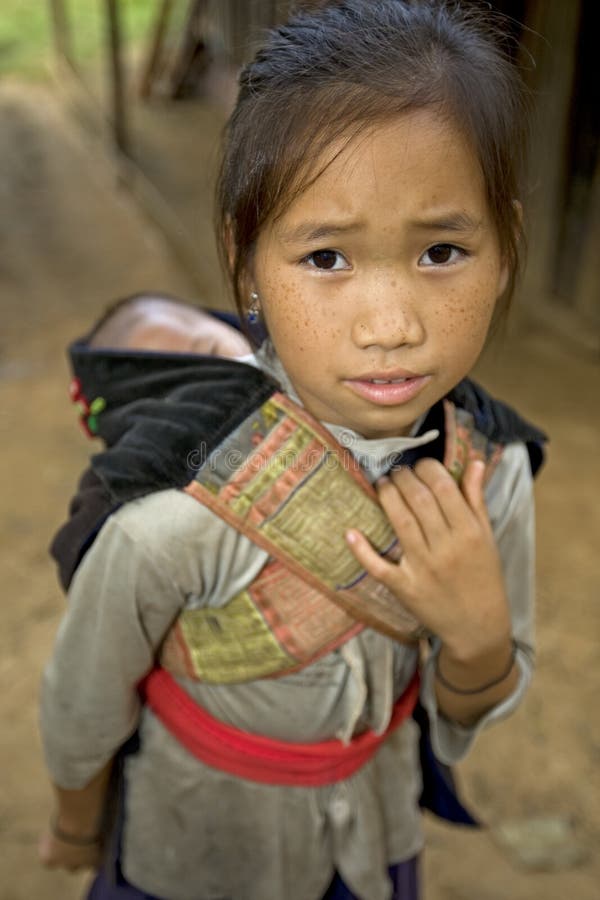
[479, 311]
[292, 319]
[466, 312]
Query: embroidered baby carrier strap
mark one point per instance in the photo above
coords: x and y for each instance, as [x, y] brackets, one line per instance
[277, 625]
[261, 759]
[282, 480]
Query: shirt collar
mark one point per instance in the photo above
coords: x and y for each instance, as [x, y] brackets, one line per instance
[375, 455]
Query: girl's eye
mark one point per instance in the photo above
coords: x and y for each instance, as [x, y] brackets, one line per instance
[326, 259]
[441, 255]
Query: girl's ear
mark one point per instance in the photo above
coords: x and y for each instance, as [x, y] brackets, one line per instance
[245, 286]
[518, 220]
[246, 282]
[229, 242]
[518, 230]
[518, 208]
[247, 292]
[503, 282]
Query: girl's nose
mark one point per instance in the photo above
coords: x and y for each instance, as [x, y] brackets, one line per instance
[387, 322]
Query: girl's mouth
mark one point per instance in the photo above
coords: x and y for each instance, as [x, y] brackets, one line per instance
[388, 392]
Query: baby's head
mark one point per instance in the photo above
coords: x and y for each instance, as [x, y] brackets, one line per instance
[161, 323]
[334, 73]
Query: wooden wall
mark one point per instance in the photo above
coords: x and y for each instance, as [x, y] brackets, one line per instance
[563, 271]
[561, 286]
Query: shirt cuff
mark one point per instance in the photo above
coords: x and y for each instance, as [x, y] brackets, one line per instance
[452, 741]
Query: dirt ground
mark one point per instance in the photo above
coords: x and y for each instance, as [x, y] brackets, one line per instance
[70, 241]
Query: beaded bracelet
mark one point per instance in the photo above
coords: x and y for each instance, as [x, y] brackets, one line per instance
[72, 839]
[484, 687]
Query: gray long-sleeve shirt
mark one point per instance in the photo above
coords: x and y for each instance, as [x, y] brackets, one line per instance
[192, 832]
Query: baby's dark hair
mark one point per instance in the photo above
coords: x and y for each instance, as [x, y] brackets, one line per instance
[330, 73]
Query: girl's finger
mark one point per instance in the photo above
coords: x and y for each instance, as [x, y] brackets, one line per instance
[473, 489]
[369, 558]
[445, 489]
[423, 503]
[402, 518]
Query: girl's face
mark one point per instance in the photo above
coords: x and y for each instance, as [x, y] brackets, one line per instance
[379, 281]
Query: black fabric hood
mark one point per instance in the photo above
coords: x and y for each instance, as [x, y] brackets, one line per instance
[153, 410]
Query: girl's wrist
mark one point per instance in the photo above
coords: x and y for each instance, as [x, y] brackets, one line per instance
[473, 646]
[474, 672]
[70, 833]
[478, 687]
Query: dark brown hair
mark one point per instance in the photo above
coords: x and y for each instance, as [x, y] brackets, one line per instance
[331, 72]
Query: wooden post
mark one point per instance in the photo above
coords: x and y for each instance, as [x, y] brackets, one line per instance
[114, 41]
[239, 34]
[555, 57]
[156, 47]
[587, 289]
[62, 31]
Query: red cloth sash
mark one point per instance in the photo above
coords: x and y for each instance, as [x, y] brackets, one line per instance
[258, 758]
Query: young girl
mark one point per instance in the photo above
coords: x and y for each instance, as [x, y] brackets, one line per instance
[252, 609]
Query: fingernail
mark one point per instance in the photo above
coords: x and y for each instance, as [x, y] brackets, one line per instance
[351, 537]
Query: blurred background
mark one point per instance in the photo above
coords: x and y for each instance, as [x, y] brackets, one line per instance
[110, 116]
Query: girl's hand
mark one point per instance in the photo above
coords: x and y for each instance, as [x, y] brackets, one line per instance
[449, 575]
[74, 837]
[70, 853]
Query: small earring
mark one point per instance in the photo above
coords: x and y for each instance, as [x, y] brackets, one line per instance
[253, 313]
